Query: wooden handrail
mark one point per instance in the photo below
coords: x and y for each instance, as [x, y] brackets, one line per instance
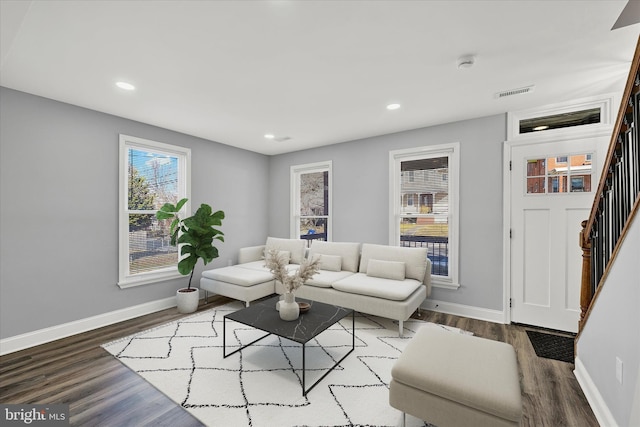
[617, 198]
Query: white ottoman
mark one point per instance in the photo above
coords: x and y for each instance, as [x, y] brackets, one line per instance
[450, 379]
[239, 283]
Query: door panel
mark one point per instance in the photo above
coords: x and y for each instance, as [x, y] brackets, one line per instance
[536, 258]
[548, 202]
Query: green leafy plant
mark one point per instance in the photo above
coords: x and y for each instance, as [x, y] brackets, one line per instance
[194, 234]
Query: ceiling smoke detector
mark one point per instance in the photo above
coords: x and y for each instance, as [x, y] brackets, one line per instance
[466, 61]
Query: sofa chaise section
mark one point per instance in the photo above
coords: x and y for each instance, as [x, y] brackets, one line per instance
[250, 280]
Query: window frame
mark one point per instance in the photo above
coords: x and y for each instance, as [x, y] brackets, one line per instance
[603, 103]
[295, 217]
[396, 157]
[125, 279]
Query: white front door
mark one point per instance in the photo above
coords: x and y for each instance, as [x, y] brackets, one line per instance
[552, 190]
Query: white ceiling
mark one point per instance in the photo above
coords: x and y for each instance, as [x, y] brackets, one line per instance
[319, 72]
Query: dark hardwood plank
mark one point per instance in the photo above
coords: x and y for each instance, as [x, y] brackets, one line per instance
[100, 391]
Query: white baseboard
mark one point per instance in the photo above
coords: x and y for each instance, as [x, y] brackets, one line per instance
[496, 316]
[597, 403]
[42, 336]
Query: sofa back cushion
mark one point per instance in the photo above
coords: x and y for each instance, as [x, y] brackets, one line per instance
[415, 259]
[349, 252]
[394, 270]
[295, 247]
[329, 262]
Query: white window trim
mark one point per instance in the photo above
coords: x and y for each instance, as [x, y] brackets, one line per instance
[126, 280]
[603, 102]
[452, 150]
[296, 171]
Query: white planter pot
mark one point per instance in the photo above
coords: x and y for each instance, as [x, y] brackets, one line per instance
[188, 301]
[289, 309]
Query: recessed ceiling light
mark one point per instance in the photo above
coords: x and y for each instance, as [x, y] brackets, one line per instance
[125, 86]
[393, 106]
[543, 127]
[269, 136]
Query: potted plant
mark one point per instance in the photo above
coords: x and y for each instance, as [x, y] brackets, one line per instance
[194, 236]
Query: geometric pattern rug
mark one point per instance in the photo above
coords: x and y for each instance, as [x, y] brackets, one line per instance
[261, 385]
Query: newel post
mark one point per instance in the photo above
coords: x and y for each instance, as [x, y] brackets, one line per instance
[586, 295]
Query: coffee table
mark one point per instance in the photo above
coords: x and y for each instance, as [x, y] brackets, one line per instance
[264, 316]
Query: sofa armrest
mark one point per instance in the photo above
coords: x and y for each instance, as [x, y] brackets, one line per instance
[427, 277]
[250, 254]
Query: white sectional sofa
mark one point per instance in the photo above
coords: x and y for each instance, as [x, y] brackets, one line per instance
[386, 281]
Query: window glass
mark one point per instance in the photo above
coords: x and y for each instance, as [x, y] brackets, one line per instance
[152, 182]
[311, 200]
[425, 189]
[562, 174]
[426, 223]
[153, 174]
[563, 120]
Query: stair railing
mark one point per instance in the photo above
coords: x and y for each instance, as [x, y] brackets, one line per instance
[618, 196]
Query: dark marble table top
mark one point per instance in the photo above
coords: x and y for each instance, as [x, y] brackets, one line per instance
[264, 316]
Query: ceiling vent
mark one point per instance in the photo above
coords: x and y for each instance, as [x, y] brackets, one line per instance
[512, 92]
[282, 138]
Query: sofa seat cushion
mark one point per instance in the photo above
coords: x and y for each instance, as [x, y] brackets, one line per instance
[325, 278]
[360, 283]
[238, 275]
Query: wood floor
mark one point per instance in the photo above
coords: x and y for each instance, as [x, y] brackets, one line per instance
[100, 391]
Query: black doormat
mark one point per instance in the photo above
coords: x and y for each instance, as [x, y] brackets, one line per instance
[552, 346]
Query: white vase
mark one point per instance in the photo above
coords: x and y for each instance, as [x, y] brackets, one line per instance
[289, 309]
[279, 302]
[188, 301]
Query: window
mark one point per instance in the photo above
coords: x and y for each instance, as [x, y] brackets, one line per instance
[558, 173]
[583, 117]
[563, 120]
[151, 174]
[424, 210]
[311, 202]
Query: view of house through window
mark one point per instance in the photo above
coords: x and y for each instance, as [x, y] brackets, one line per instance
[311, 213]
[424, 190]
[154, 176]
[564, 174]
[424, 183]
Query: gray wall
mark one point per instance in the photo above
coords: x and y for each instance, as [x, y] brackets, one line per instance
[361, 197]
[611, 332]
[59, 210]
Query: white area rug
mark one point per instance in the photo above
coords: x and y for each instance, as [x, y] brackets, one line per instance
[261, 385]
